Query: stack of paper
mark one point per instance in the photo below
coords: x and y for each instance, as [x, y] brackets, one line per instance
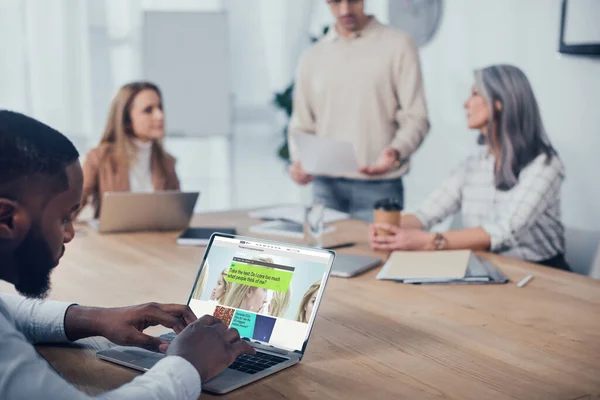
[425, 265]
[456, 266]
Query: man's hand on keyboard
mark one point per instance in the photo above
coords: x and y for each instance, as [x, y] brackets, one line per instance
[125, 325]
[209, 346]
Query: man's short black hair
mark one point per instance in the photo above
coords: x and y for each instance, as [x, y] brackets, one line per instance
[31, 148]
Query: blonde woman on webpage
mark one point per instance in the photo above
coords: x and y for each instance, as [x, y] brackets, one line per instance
[308, 302]
[220, 290]
[245, 297]
[280, 301]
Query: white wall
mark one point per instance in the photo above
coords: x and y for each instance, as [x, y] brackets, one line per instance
[267, 38]
[476, 33]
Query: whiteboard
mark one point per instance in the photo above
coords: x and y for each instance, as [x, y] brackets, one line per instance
[186, 53]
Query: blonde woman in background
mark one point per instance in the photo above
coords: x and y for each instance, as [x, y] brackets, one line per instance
[308, 302]
[130, 156]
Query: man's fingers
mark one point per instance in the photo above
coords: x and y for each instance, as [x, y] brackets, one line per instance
[366, 171]
[301, 171]
[378, 170]
[220, 327]
[155, 316]
[209, 320]
[303, 176]
[181, 311]
[304, 181]
[231, 335]
[163, 347]
[144, 341]
[300, 176]
[241, 347]
[374, 170]
[213, 322]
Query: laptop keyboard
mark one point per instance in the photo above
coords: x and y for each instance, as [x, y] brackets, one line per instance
[248, 364]
[256, 363]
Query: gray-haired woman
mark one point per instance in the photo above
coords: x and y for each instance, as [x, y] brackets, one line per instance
[508, 193]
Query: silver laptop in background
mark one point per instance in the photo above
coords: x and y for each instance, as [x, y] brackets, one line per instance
[280, 341]
[156, 211]
[348, 265]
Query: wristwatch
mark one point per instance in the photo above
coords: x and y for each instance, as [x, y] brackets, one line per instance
[440, 242]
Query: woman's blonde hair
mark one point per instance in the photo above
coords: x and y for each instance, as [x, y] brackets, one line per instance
[200, 282]
[236, 294]
[119, 132]
[226, 285]
[280, 303]
[314, 288]
[280, 300]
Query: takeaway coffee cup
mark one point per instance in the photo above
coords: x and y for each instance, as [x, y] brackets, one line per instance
[387, 211]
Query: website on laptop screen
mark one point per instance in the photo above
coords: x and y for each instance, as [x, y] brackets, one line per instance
[266, 291]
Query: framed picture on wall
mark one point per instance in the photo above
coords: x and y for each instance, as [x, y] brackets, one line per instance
[579, 27]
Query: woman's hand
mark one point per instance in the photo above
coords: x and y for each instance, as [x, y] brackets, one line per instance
[399, 239]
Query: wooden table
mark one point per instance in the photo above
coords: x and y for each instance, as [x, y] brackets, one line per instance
[372, 339]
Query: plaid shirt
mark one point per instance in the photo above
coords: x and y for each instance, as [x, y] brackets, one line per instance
[523, 222]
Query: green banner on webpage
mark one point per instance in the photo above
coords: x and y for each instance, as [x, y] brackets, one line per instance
[257, 276]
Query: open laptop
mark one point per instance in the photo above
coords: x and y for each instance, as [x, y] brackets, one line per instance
[156, 211]
[280, 339]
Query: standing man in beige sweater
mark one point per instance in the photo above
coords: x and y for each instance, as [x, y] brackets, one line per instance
[361, 83]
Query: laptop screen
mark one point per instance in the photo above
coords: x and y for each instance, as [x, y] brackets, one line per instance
[267, 291]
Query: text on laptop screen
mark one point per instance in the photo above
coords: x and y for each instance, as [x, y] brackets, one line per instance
[266, 291]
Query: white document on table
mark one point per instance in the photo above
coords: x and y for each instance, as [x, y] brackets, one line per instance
[325, 156]
[284, 228]
[295, 213]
